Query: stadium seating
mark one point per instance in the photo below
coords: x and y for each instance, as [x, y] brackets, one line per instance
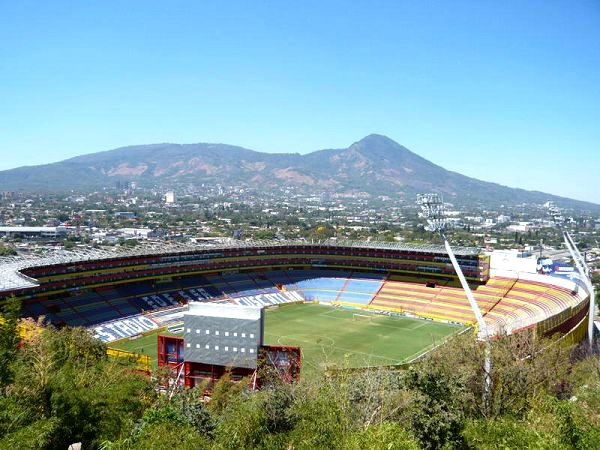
[86, 308]
[502, 301]
[322, 296]
[354, 298]
[278, 277]
[337, 287]
[268, 299]
[322, 284]
[362, 286]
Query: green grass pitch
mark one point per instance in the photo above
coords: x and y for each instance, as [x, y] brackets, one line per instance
[145, 345]
[331, 336]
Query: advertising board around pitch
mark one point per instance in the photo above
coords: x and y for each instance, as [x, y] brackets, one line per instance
[223, 335]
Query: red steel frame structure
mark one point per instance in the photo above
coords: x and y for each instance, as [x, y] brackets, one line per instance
[286, 360]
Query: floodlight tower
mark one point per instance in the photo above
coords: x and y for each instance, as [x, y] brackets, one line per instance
[584, 270]
[432, 207]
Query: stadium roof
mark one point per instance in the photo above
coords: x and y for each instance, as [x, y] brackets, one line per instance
[224, 310]
[10, 267]
[32, 229]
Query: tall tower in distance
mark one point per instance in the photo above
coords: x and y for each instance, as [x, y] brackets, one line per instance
[170, 197]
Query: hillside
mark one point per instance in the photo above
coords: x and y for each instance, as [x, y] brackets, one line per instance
[375, 164]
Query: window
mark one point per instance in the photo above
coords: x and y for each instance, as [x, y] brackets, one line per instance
[197, 345]
[251, 350]
[207, 331]
[243, 350]
[207, 347]
[234, 334]
[227, 333]
[188, 345]
[216, 347]
[197, 331]
[216, 333]
[251, 335]
[226, 349]
[235, 349]
[243, 335]
[189, 330]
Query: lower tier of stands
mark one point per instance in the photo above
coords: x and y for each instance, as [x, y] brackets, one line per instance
[268, 299]
[355, 288]
[506, 304]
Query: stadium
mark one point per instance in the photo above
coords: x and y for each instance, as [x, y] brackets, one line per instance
[344, 304]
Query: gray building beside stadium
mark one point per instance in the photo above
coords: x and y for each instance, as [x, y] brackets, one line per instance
[223, 334]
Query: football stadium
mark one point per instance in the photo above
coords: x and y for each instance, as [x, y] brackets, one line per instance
[203, 309]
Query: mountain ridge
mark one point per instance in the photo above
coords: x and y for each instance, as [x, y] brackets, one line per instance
[375, 164]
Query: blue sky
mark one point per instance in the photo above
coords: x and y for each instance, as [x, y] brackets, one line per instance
[504, 91]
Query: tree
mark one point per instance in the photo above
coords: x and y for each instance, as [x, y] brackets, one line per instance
[68, 245]
[65, 389]
[383, 436]
[162, 435]
[9, 339]
[319, 419]
[523, 366]
[511, 433]
[6, 250]
[243, 423]
[439, 408]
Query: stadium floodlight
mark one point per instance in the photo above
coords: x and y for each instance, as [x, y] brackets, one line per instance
[584, 270]
[432, 207]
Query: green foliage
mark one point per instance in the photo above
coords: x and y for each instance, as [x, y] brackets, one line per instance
[321, 232]
[193, 411]
[384, 436]
[6, 250]
[224, 392]
[187, 408]
[68, 245]
[510, 433]
[437, 414]
[577, 424]
[36, 435]
[9, 339]
[277, 403]
[62, 388]
[128, 242]
[66, 390]
[319, 418]
[243, 424]
[164, 435]
[264, 235]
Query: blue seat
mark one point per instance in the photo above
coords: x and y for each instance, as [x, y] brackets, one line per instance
[351, 297]
[36, 308]
[369, 287]
[323, 296]
[334, 284]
